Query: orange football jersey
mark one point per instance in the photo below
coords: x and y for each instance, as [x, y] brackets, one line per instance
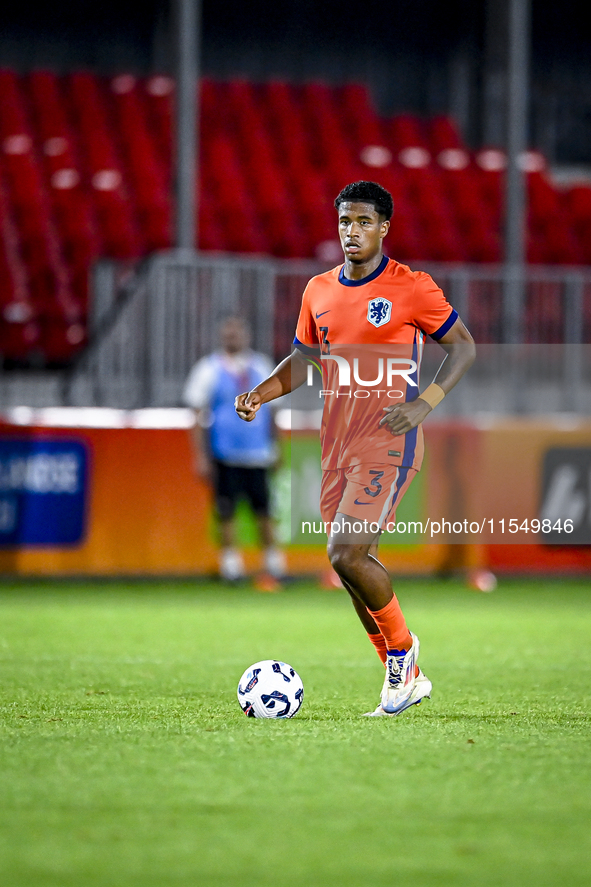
[369, 336]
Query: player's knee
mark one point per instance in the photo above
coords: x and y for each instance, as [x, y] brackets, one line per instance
[343, 558]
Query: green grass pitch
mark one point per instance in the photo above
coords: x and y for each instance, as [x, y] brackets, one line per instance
[125, 760]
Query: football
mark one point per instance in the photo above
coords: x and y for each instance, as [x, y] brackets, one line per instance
[270, 689]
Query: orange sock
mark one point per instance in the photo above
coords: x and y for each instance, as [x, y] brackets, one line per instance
[392, 625]
[380, 645]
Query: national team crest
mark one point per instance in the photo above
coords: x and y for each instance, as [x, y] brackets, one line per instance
[379, 311]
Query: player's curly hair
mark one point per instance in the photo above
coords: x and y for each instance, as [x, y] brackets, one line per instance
[367, 192]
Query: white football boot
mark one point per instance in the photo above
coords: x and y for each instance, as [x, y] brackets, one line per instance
[401, 689]
[421, 690]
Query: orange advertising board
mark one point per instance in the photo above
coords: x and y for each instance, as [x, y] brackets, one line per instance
[145, 513]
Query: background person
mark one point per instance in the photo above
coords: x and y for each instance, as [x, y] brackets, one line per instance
[233, 456]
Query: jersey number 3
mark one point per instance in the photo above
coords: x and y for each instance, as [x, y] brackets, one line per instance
[375, 483]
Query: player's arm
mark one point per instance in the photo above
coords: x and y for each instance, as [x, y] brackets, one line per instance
[289, 375]
[460, 354]
[202, 464]
[197, 396]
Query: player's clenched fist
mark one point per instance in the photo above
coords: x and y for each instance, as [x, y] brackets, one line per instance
[247, 405]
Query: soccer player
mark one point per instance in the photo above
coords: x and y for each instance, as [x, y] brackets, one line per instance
[370, 309]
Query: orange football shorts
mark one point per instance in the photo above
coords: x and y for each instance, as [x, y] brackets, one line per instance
[370, 493]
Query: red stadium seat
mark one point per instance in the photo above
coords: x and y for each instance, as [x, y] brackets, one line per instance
[443, 135]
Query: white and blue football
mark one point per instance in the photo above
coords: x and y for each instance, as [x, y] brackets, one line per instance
[270, 689]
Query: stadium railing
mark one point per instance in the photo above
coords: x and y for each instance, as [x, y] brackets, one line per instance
[149, 327]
